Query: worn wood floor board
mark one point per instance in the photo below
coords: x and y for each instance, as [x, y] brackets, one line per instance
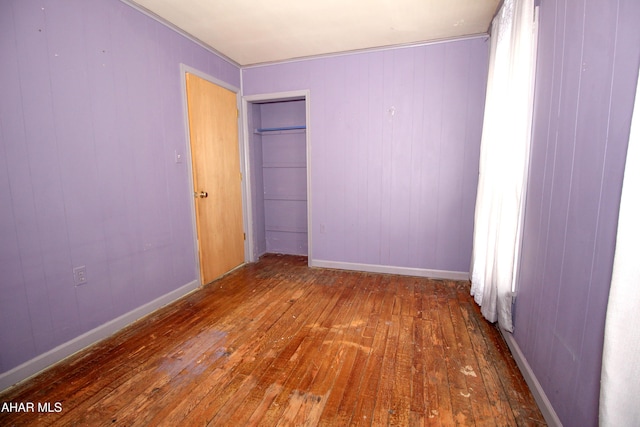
[354, 348]
[333, 346]
[508, 377]
[384, 396]
[458, 389]
[498, 403]
[476, 389]
[353, 384]
[418, 389]
[279, 343]
[363, 413]
[273, 368]
[400, 404]
[400, 407]
[303, 366]
[439, 410]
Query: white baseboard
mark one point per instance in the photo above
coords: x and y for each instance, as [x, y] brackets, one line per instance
[61, 352]
[539, 395]
[388, 269]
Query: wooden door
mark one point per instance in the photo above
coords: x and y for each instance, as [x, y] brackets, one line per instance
[215, 157]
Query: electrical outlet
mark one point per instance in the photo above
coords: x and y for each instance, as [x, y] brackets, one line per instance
[80, 275]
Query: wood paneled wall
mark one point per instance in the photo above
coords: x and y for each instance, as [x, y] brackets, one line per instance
[254, 118]
[395, 138]
[588, 59]
[91, 118]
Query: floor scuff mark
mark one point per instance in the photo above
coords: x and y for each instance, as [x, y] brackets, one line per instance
[468, 370]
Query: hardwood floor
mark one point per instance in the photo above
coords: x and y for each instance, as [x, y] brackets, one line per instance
[278, 343]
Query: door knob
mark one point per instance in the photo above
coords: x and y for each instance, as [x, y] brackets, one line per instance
[202, 194]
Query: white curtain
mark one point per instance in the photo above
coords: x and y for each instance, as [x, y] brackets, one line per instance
[620, 385]
[504, 159]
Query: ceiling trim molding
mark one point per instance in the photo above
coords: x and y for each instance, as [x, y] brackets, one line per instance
[367, 50]
[178, 30]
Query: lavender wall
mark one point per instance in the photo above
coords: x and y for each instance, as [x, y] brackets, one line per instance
[395, 140]
[254, 118]
[90, 118]
[587, 68]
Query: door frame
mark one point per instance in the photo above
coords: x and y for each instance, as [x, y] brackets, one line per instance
[186, 158]
[246, 153]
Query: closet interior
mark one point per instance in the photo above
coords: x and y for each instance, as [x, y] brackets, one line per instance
[278, 153]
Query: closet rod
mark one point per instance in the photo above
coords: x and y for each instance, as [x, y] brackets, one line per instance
[280, 128]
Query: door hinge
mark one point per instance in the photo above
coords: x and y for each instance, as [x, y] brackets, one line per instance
[237, 112]
[244, 236]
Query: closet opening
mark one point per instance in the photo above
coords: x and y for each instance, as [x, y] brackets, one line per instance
[277, 156]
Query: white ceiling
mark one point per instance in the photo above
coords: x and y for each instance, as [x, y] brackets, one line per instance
[258, 31]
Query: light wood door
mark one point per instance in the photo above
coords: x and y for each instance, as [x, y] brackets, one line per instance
[213, 127]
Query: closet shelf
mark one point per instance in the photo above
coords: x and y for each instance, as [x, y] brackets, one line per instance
[291, 198]
[286, 229]
[280, 129]
[284, 165]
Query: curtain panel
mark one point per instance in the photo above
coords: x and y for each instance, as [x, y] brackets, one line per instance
[620, 379]
[504, 160]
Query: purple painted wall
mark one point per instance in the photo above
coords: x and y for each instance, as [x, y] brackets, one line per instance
[90, 118]
[588, 58]
[395, 141]
[254, 118]
[284, 171]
